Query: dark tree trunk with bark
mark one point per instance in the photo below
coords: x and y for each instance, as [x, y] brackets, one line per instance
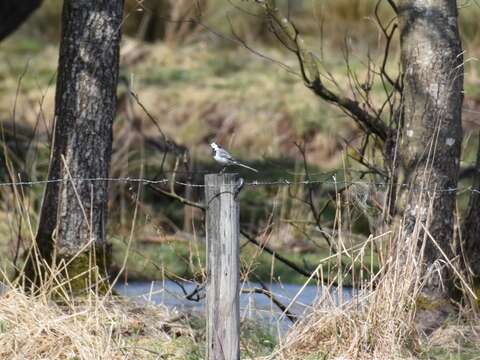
[74, 211]
[431, 55]
[13, 13]
[471, 225]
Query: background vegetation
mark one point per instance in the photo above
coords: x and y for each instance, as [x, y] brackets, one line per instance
[226, 79]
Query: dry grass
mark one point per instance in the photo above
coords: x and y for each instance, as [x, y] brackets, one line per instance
[376, 324]
[36, 328]
[382, 320]
[94, 327]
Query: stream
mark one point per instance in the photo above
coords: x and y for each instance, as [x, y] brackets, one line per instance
[254, 306]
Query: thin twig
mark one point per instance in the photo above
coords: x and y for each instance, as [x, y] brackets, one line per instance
[280, 258]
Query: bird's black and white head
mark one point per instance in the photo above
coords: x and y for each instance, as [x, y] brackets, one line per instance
[214, 147]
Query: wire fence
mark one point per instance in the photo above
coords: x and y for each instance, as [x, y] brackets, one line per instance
[252, 183]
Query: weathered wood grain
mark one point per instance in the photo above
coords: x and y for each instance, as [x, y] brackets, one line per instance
[223, 303]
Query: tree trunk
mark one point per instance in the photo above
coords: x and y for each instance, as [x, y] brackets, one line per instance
[13, 13]
[431, 55]
[74, 211]
[471, 225]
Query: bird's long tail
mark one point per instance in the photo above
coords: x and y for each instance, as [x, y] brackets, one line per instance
[245, 166]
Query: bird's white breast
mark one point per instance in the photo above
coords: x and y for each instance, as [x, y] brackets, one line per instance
[221, 159]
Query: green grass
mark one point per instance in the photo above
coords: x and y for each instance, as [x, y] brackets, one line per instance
[464, 352]
[207, 90]
[256, 341]
[175, 258]
[3, 326]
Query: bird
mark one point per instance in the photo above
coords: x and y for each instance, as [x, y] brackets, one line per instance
[224, 158]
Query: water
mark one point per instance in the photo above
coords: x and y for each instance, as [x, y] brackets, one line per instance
[253, 306]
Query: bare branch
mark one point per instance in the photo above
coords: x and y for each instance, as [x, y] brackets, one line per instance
[284, 29]
[316, 214]
[282, 259]
[265, 291]
[168, 144]
[177, 197]
[393, 6]
[388, 36]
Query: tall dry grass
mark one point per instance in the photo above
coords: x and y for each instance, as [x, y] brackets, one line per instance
[35, 328]
[93, 326]
[75, 316]
[378, 323]
[381, 320]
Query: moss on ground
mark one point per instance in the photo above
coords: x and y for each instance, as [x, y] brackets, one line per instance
[85, 270]
[424, 303]
[76, 274]
[462, 353]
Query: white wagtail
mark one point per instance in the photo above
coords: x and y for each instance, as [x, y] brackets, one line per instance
[223, 157]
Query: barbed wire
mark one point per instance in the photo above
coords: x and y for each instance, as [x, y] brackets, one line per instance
[253, 183]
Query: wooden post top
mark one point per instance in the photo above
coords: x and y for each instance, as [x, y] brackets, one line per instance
[225, 178]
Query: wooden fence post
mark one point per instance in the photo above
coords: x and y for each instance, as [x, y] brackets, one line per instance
[223, 267]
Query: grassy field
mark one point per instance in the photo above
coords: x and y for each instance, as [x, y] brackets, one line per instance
[182, 260]
[196, 93]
